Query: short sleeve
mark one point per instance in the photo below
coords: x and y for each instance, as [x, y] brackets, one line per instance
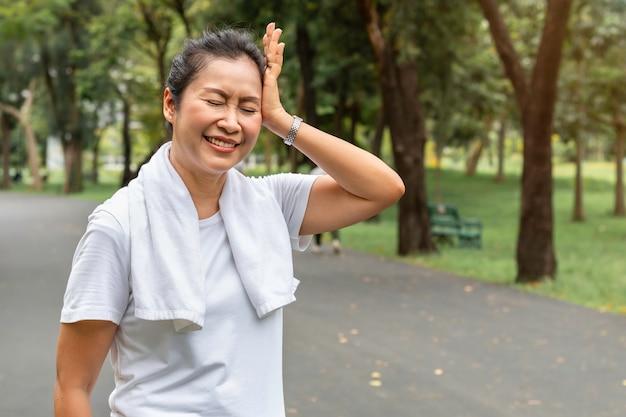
[292, 193]
[98, 287]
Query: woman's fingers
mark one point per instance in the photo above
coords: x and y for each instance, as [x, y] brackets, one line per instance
[273, 49]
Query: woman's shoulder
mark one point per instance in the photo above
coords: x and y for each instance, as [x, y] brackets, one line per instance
[285, 186]
[113, 212]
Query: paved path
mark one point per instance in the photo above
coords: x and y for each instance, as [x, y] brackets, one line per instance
[367, 336]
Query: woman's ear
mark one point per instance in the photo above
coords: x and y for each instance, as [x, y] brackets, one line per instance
[168, 105]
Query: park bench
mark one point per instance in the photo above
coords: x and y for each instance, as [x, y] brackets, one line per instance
[447, 226]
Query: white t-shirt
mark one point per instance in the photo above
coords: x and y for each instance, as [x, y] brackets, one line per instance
[232, 367]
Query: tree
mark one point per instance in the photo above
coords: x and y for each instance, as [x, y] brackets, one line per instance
[18, 77]
[399, 86]
[23, 116]
[606, 78]
[62, 49]
[459, 79]
[536, 97]
[343, 77]
[114, 75]
[181, 7]
[128, 67]
[6, 126]
[419, 56]
[327, 74]
[572, 123]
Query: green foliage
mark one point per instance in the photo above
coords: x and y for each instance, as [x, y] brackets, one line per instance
[24, 19]
[525, 18]
[461, 79]
[124, 46]
[592, 78]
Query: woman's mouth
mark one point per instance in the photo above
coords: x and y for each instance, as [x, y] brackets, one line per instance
[220, 143]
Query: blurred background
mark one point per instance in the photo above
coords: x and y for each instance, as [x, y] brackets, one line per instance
[512, 111]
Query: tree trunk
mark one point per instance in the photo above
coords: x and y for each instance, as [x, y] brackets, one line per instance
[307, 95]
[306, 57]
[68, 122]
[95, 162]
[578, 215]
[501, 138]
[507, 53]
[73, 153]
[158, 29]
[33, 158]
[6, 148]
[341, 110]
[404, 116]
[536, 259]
[355, 116]
[127, 174]
[73, 148]
[23, 116]
[377, 141]
[180, 7]
[476, 151]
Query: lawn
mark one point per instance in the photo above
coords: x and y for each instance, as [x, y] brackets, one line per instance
[591, 264]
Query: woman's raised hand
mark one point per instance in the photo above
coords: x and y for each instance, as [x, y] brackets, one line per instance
[271, 106]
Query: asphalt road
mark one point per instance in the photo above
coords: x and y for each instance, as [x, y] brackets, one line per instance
[367, 336]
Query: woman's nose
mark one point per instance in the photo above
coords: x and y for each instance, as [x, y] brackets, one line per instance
[228, 119]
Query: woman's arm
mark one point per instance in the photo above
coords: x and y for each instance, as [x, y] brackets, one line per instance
[357, 185]
[81, 350]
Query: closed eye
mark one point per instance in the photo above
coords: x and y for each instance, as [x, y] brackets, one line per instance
[248, 110]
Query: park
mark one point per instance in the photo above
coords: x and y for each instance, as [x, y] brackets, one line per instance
[504, 119]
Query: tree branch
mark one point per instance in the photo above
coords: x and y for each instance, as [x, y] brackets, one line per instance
[13, 111]
[506, 51]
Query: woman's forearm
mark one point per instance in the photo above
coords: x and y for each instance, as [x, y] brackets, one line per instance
[354, 169]
[71, 402]
[82, 348]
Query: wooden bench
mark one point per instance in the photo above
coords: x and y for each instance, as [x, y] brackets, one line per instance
[447, 226]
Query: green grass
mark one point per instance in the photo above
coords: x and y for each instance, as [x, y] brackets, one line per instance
[591, 264]
[93, 192]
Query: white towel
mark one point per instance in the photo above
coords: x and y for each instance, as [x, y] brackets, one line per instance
[166, 276]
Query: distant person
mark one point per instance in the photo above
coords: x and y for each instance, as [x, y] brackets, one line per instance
[182, 275]
[335, 242]
[334, 234]
[17, 177]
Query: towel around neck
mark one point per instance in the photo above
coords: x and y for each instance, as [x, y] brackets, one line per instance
[169, 285]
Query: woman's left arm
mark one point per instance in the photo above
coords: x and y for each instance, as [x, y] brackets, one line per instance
[357, 186]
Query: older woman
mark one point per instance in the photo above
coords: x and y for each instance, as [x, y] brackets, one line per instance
[183, 274]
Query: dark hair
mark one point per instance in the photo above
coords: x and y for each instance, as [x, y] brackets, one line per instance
[228, 43]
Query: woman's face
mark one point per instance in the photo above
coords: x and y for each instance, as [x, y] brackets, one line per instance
[218, 119]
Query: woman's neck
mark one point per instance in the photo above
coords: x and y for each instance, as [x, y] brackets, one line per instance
[205, 190]
[205, 194]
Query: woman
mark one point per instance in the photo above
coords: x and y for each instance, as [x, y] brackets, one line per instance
[183, 274]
